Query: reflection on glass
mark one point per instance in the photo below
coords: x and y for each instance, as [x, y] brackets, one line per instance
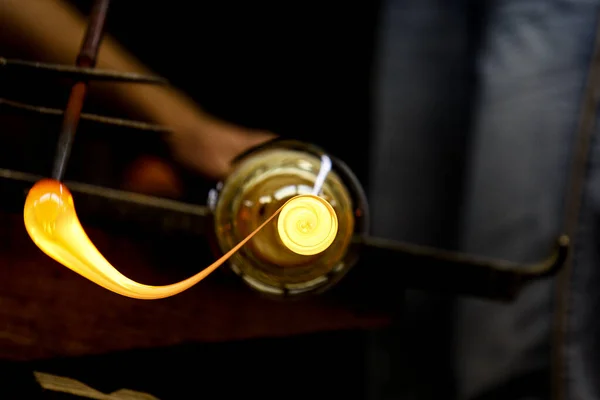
[261, 182]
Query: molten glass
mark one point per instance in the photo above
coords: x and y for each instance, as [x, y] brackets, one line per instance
[307, 225]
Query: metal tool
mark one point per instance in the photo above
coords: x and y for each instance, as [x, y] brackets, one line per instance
[86, 58]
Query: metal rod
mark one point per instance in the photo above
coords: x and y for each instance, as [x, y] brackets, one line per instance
[75, 72]
[87, 58]
[120, 122]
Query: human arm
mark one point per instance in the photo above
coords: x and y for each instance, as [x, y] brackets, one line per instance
[51, 30]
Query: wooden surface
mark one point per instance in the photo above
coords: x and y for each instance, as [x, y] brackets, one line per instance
[46, 310]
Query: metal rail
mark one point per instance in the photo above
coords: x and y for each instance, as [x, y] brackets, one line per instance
[125, 123]
[39, 69]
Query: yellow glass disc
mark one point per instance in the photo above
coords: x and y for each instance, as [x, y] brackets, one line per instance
[307, 224]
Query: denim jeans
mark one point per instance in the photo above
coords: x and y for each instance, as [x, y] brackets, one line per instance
[476, 107]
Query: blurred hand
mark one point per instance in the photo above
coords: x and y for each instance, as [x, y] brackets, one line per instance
[51, 31]
[207, 146]
[210, 145]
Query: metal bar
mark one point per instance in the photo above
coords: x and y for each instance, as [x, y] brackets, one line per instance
[78, 73]
[543, 268]
[125, 123]
[114, 210]
[93, 36]
[385, 266]
[87, 58]
[421, 267]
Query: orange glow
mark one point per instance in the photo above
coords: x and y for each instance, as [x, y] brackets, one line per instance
[309, 227]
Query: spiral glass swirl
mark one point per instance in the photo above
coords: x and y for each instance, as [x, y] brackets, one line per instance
[307, 225]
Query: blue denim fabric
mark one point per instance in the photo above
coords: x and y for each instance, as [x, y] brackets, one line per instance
[420, 121]
[582, 345]
[534, 66]
[417, 149]
[531, 66]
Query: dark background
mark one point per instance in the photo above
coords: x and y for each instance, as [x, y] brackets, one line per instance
[322, 366]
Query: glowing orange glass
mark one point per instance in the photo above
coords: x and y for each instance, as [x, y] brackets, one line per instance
[307, 225]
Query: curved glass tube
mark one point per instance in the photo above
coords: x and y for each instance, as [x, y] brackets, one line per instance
[307, 224]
